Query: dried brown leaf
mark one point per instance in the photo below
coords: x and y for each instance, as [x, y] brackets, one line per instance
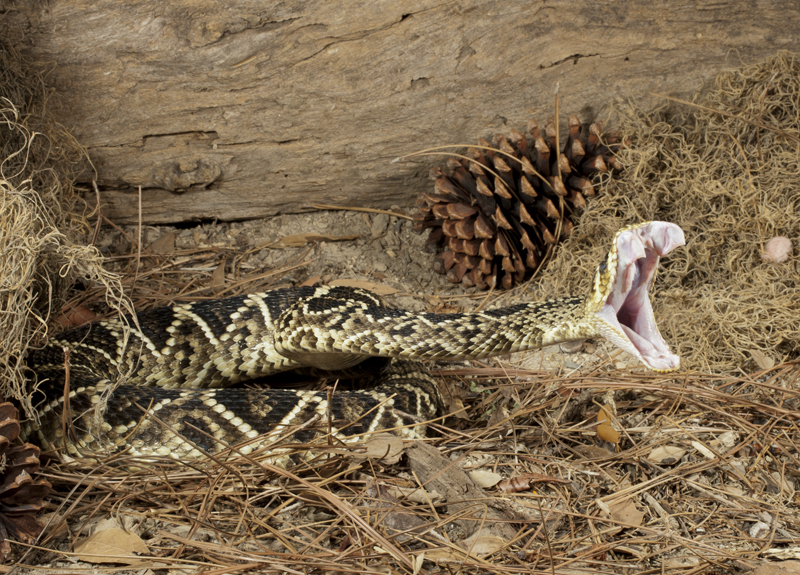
[626, 512]
[605, 428]
[791, 567]
[383, 446]
[112, 546]
[523, 482]
[164, 245]
[416, 495]
[482, 544]
[666, 454]
[218, 277]
[484, 478]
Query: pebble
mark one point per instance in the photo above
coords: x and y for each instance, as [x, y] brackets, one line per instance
[777, 250]
[379, 223]
[571, 346]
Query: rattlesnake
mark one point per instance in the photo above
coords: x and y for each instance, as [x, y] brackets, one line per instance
[170, 363]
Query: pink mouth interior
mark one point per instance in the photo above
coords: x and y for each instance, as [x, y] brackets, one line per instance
[628, 307]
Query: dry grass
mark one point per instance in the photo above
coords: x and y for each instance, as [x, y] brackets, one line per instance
[727, 500]
[725, 170]
[41, 259]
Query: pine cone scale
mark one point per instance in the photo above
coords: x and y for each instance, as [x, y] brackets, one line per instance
[498, 213]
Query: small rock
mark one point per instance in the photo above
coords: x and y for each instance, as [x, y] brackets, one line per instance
[572, 346]
[777, 250]
[759, 530]
[727, 440]
[379, 223]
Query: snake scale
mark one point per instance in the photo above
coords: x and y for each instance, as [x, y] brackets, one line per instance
[166, 371]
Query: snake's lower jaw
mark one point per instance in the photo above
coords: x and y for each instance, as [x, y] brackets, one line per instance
[627, 319]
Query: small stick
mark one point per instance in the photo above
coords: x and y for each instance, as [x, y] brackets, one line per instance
[359, 209]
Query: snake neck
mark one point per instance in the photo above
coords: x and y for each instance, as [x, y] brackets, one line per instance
[527, 326]
[330, 336]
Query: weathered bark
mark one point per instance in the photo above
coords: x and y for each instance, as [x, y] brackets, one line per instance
[239, 110]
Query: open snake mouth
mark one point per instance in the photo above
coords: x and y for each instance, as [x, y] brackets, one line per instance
[626, 319]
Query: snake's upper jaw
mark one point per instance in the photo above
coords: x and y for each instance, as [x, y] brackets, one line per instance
[626, 319]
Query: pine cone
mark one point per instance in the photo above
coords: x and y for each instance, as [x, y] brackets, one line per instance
[21, 496]
[496, 217]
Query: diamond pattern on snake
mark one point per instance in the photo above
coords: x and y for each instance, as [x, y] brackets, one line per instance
[167, 371]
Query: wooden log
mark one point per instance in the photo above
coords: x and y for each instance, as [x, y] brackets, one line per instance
[258, 108]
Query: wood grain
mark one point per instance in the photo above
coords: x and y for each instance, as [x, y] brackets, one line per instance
[245, 109]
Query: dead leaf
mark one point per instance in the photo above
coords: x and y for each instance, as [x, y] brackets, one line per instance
[112, 546]
[791, 567]
[416, 494]
[523, 482]
[482, 545]
[485, 479]
[626, 512]
[786, 484]
[163, 245]
[454, 397]
[666, 454]
[497, 420]
[445, 555]
[514, 485]
[433, 300]
[680, 562]
[762, 359]
[605, 429]
[394, 518]
[380, 289]
[594, 451]
[384, 446]
[218, 277]
[299, 240]
[732, 489]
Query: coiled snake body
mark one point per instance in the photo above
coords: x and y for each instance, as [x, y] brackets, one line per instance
[164, 370]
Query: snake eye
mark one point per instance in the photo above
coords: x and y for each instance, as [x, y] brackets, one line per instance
[602, 267]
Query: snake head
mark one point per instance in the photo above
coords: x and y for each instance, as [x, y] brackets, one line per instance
[620, 301]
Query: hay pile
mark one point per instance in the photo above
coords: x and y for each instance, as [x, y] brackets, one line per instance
[40, 232]
[726, 171]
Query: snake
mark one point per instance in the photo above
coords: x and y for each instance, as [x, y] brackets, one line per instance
[171, 382]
